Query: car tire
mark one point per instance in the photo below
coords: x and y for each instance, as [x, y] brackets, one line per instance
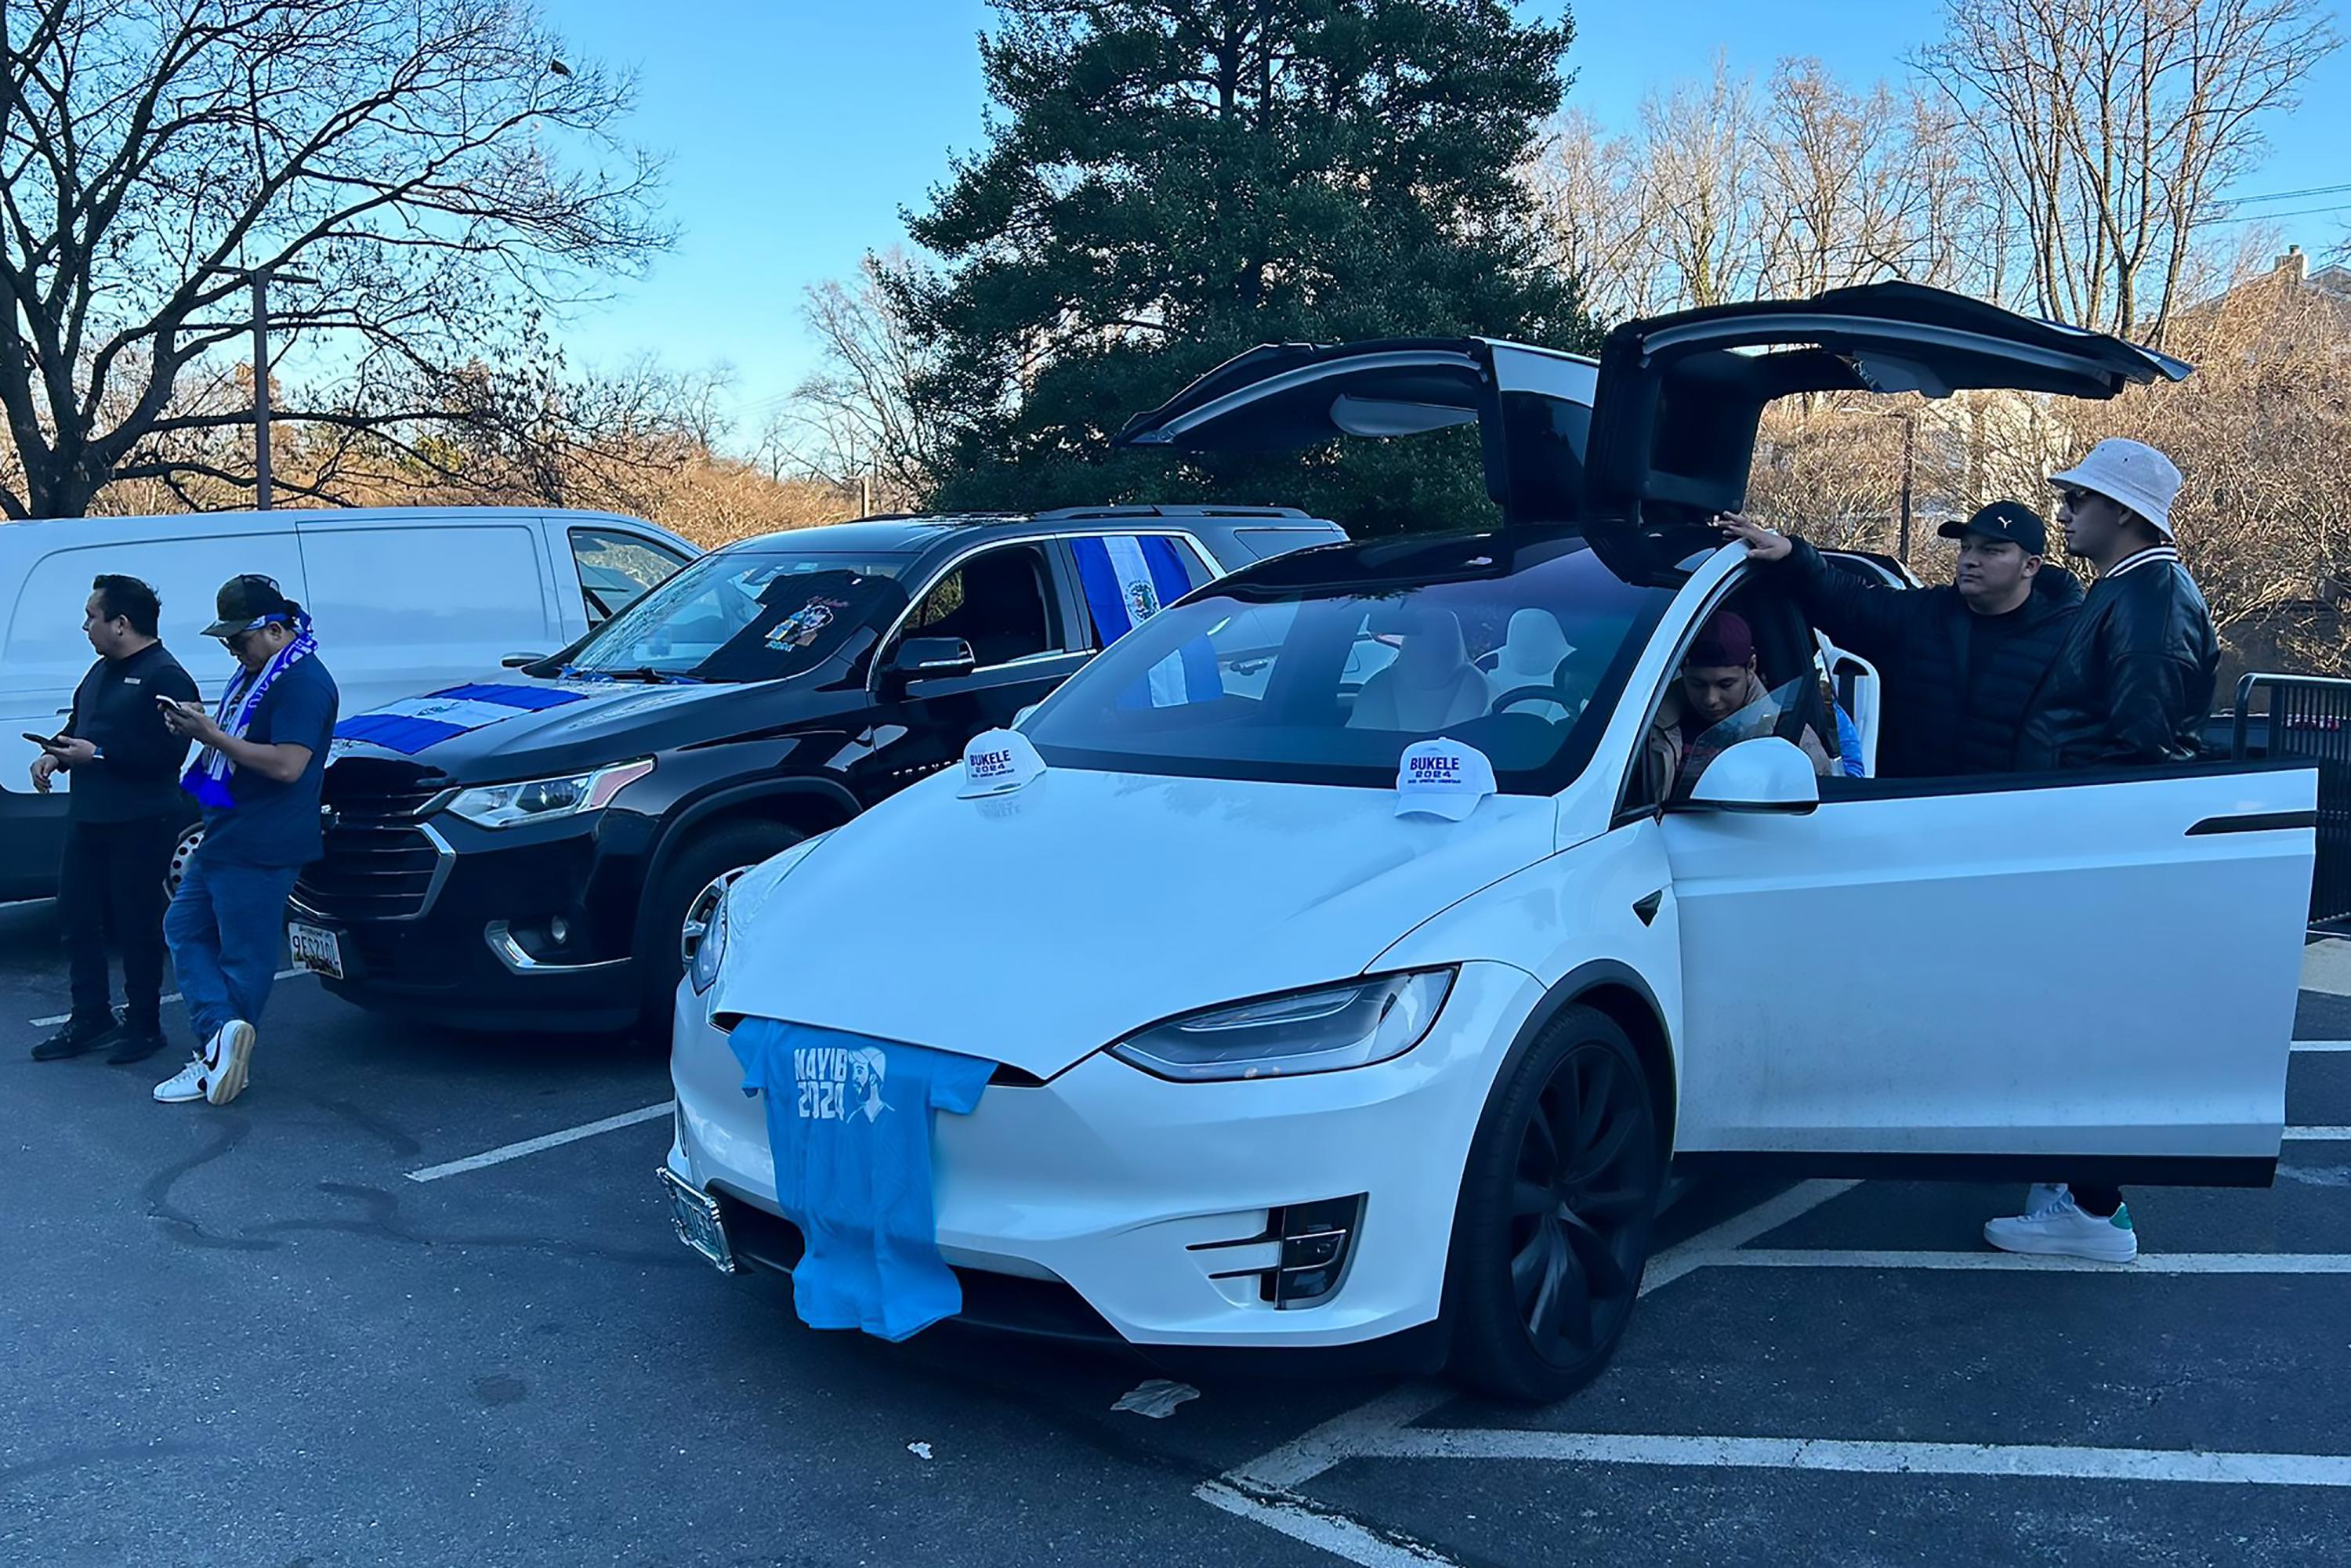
[730, 847]
[184, 850]
[1557, 1202]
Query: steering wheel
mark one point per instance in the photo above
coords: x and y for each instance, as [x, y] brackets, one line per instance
[1556, 693]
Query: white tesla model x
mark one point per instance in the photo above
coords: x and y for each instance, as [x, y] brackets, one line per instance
[1286, 1060]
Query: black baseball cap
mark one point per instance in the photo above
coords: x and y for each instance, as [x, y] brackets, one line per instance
[2012, 520]
[242, 600]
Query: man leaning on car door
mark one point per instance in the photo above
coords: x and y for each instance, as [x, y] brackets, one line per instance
[2132, 685]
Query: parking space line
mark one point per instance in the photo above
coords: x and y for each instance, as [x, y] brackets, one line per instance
[1333, 1532]
[2149, 1262]
[1740, 1229]
[2300, 1046]
[505, 1152]
[2318, 1135]
[166, 996]
[1870, 1457]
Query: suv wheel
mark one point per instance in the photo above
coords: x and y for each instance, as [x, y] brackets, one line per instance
[182, 851]
[684, 893]
[1556, 1207]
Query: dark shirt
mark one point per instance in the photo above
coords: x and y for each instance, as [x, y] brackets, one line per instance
[1987, 634]
[136, 774]
[273, 823]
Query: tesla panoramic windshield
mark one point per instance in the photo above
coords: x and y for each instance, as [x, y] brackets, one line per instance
[745, 615]
[1519, 650]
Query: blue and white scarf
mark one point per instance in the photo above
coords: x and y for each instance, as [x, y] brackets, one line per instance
[207, 777]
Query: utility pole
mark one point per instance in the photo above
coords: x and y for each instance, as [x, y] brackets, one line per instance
[259, 278]
[1909, 471]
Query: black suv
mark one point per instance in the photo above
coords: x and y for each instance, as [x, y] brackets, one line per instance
[533, 852]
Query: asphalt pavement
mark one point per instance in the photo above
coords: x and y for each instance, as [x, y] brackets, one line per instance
[252, 1335]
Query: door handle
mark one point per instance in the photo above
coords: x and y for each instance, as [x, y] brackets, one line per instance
[1648, 906]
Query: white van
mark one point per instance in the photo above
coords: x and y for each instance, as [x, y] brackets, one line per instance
[405, 599]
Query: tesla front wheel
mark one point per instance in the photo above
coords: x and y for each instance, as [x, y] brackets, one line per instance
[1555, 1214]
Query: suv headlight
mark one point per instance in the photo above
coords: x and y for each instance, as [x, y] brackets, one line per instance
[1321, 1030]
[539, 799]
[708, 946]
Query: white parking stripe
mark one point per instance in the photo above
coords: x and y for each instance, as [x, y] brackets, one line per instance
[1740, 1229]
[2300, 1046]
[2318, 1135]
[166, 996]
[505, 1152]
[2149, 1262]
[1333, 1532]
[1872, 1457]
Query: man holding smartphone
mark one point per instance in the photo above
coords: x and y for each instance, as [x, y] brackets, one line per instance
[124, 811]
[258, 780]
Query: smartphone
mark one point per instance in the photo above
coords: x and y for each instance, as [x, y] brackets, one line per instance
[45, 742]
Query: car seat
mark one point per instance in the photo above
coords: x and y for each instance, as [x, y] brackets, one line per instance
[1532, 651]
[1431, 685]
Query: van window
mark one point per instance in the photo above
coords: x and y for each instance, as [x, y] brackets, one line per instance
[997, 601]
[45, 645]
[616, 569]
[471, 594]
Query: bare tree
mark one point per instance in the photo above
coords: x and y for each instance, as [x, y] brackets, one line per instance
[1703, 179]
[2115, 124]
[430, 163]
[855, 423]
[1595, 197]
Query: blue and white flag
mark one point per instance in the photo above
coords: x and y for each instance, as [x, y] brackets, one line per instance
[1126, 580]
[414, 724]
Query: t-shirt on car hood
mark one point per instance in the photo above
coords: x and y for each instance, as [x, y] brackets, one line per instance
[1084, 905]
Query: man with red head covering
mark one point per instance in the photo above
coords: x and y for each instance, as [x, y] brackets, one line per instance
[1719, 699]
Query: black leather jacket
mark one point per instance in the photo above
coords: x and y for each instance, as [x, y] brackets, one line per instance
[2133, 682]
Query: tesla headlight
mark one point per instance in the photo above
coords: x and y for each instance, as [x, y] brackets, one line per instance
[709, 944]
[539, 799]
[1320, 1030]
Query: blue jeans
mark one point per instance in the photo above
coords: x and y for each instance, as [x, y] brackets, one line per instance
[223, 928]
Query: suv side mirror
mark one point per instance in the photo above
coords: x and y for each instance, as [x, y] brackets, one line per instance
[930, 659]
[1766, 774]
[516, 660]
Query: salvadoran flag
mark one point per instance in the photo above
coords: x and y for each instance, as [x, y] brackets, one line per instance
[1126, 580]
[414, 724]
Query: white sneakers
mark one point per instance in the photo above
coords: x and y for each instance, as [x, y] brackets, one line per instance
[2058, 1227]
[217, 1073]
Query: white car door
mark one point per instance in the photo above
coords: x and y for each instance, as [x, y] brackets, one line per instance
[2091, 974]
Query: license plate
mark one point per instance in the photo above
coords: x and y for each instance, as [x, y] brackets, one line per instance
[698, 1223]
[316, 950]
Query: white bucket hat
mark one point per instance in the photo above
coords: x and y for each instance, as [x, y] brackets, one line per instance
[2129, 472]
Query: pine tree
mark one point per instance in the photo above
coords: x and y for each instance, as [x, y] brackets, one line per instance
[1166, 182]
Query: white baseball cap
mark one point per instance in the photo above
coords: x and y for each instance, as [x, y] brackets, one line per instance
[1442, 777]
[996, 762]
[2130, 472]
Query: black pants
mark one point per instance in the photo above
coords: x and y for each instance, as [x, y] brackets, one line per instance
[111, 877]
[2101, 1201]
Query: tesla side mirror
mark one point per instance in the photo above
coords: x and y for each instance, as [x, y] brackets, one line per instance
[930, 659]
[516, 660]
[1767, 774]
[1022, 716]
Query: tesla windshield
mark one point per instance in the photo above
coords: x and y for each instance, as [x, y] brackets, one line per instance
[745, 615]
[1516, 648]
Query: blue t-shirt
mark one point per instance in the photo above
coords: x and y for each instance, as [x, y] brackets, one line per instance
[849, 1120]
[275, 824]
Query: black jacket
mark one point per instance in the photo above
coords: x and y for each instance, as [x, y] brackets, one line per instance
[2134, 683]
[137, 771]
[1937, 720]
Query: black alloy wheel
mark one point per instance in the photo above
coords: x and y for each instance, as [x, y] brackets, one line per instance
[1556, 1214]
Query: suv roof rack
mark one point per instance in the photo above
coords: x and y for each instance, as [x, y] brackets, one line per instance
[1153, 509]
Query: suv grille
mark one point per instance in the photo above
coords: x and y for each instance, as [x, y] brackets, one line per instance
[379, 864]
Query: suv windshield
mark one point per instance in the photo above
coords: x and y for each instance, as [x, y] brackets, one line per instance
[1518, 649]
[745, 615]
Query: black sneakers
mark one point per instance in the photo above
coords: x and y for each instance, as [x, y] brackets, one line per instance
[138, 1042]
[80, 1034]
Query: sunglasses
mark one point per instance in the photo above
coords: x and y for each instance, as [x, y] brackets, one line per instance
[2075, 499]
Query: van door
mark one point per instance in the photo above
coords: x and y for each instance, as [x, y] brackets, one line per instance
[413, 604]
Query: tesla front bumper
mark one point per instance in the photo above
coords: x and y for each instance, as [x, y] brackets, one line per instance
[1163, 1205]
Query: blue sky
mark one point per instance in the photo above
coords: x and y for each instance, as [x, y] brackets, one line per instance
[797, 130]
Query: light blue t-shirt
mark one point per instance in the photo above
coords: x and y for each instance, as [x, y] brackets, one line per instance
[849, 1120]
